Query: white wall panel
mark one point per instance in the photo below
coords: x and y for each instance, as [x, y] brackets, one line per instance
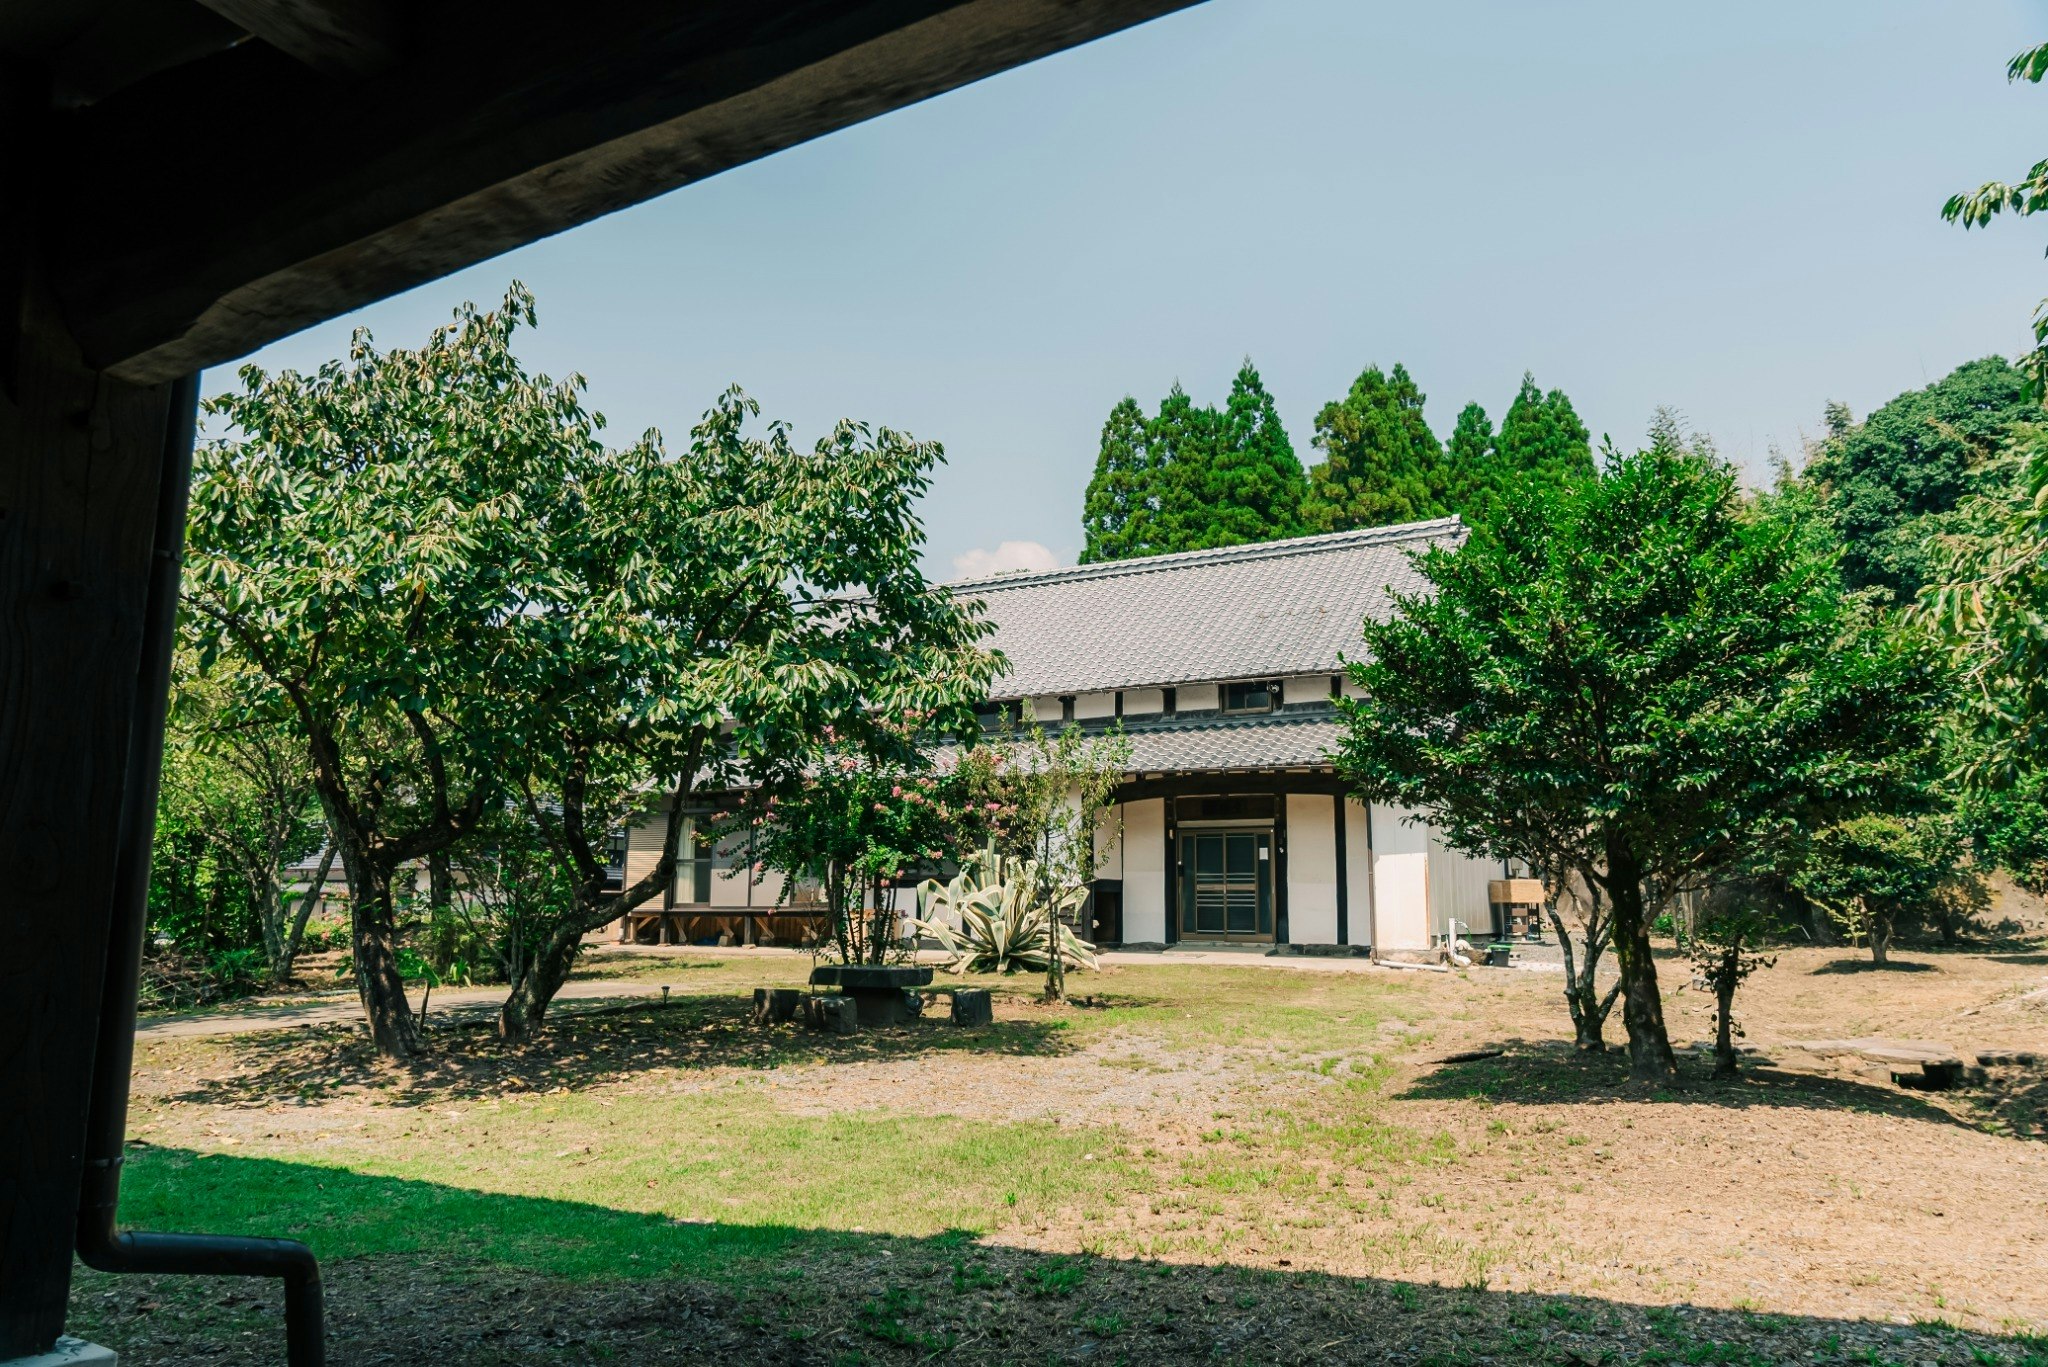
[1144, 864]
[1400, 880]
[1311, 869]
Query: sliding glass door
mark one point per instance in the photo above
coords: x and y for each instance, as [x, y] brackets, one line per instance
[1226, 885]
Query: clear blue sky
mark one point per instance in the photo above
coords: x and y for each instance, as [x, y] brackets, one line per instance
[1731, 209]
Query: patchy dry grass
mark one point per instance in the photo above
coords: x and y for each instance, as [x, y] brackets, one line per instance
[1202, 1163]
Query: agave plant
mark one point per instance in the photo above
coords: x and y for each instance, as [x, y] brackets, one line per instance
[995, 917]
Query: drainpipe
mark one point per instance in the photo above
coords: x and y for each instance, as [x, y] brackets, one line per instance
[100, 1245]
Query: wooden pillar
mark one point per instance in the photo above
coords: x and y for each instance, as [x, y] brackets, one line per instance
[80, 456]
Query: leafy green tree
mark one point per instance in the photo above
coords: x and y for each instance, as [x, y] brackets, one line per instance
[1192, 478]
[1043, 800]
[1471, 456]
[1639, 678]
[1120, 517]
[856, 817]
[366, 550]
[1541, 442]
[1875, 870]
[1381, 463]
[1182, 438]
[1894, 481]
[729, 607]
[1724, 945]
[1976, 208]
[1251, 486]
[1989, 602]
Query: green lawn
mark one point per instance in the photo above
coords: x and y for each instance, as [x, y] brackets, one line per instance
[1186, 1162]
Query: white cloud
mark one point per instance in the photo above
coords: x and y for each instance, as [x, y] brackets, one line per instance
[1010, 555]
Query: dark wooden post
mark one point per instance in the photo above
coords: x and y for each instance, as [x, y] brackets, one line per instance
[80, 456]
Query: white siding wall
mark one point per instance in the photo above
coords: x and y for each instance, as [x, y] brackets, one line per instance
[1358, 871]
[1400, 880]
[1144, 871]
[1093, 706]
[643, 845]
[1457, 888]
[1311, 869]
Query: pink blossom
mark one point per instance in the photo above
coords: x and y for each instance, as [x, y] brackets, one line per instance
[896, 791]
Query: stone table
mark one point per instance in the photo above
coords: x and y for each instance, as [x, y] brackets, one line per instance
[877, 989]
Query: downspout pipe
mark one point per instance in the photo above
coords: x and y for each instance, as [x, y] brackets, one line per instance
[100, 1244]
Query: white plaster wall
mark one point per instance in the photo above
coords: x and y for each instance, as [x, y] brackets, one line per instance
[1144, 702]
[1358, 871]
[1144, 866]
[1048, 709]
[1092, 706]
[1300, 688]
[1400, 880]
[1311, 869]
[1196, 698]
[1109, 844]
[1351, 688]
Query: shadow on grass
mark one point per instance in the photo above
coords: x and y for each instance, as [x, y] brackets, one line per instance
[420, 1272]
[465, 1058]
[1546, 1072]
[2022, 960]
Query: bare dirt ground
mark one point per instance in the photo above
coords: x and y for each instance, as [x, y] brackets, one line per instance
[1300, 1179]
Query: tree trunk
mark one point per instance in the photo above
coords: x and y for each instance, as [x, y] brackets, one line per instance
[374, 937]
[1724, 1011]
[545, 970]
[1650, 1059]
[1582, 994]
[1880, 941]
[295, 934]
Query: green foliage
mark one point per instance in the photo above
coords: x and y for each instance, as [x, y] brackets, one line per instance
[1874, 871]
[365, 554]
[1121, 514]
[1893, 482]
[1050, 799]
[1638, 678]
[1990, 602]
[234, 809]
[855, 818]
[1723, 944]
[1976, 208]
[1381, 462]
[1193, 478]
[1542, 444]
[995, 915]
[1471, 456]
[1252, 488]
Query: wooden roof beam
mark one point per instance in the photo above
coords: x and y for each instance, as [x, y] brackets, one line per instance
[503, 121]
[337, 37]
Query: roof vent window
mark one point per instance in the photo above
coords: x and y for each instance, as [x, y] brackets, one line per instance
[1251, 697]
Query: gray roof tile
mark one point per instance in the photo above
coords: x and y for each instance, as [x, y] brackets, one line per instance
[1275, 742]
[1278, 607]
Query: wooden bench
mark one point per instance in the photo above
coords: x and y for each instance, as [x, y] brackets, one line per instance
[687, 924]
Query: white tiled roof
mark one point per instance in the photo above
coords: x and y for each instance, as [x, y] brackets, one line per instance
[1278, 607]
